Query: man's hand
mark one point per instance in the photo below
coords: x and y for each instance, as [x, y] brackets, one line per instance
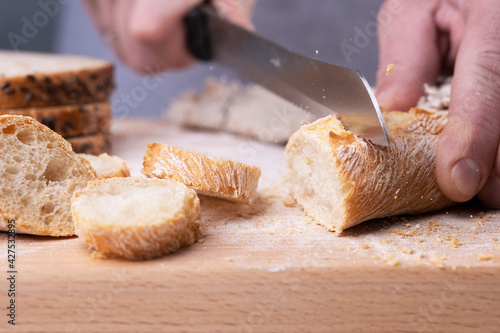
[149, 34]
[424, 40]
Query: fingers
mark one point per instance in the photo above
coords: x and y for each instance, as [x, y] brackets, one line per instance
[154, 34]
[408, 39]
[149, 35]
[468, 146]
[490, 193]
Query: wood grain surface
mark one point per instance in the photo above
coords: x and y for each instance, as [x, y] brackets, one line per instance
[265, 267]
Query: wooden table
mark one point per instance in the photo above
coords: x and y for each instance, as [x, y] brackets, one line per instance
[266, 267]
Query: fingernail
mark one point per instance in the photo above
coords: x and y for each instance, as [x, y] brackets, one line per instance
[466, 176]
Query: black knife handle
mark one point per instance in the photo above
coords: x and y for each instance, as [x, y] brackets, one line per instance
[198, 37]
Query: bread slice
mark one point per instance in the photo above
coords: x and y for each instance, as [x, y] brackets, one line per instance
[341, 180]
[39, 173]
[94, 144]
[210, 176]
[70, 120]
[108, 166]
[40, 79]
[136, 218]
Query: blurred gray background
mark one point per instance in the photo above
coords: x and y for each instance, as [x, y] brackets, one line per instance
[317, 28]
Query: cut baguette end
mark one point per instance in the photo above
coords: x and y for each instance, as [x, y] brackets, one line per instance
[39, 173]
[341, 180]
[214, 177]
[136, 218]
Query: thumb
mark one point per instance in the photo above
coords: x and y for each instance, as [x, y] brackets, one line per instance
[469, 143]
[409, 40]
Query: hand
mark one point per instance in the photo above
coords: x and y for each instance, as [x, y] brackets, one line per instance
[425, 39]
[148, 35]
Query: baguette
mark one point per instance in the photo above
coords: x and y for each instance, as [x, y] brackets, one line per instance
[37, 79]
[205, 110]
[136, 218]
[38, 175]
[107, 166]
[209, 176]
[341, 180]
[247, 110]
[70, 120]
[94, 144]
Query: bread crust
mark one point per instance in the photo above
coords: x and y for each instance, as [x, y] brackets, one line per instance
[70, 120]
[94, 144]
[375, 181]
[138, 242]
[209, 176]
[86, 85]
[84, 174]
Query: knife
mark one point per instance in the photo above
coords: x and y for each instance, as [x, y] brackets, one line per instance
[318, 87]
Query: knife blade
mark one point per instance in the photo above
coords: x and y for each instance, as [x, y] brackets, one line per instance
[318, 87]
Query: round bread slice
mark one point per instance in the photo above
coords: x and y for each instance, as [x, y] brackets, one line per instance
[38, 175]
[136, 218]
[209, 176]
[70, 120]
[108, 166]
[94, 144]
[29, 79]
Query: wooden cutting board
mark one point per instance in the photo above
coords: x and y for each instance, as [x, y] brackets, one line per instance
[266, 267]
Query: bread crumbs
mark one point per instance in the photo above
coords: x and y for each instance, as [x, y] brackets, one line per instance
[405, 250]
[364, 246]
[98, 255]
[289, 203]
[391, 260]
[389, 69]
[485, 257]
[437, 260]
[454, 242]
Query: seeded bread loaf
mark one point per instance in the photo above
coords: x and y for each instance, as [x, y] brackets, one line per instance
[108, 166]
[39, 79]
[342, 180]
[209, 176]
[94, 144]
[38, 175]
[70, 120]
[136, 218]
